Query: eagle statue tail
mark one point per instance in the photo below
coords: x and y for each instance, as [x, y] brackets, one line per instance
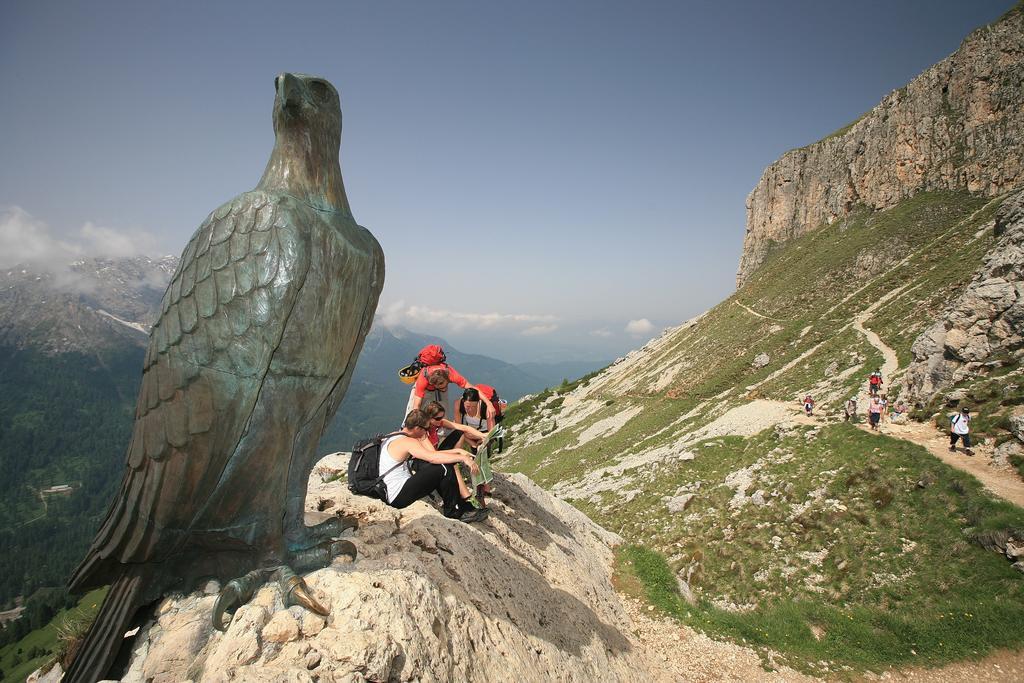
[102, 643]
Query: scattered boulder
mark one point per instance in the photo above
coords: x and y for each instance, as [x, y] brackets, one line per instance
[760, 361]
[1017, 423]
[680, 503]
[1001, 456]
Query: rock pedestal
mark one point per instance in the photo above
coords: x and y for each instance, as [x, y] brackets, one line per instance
[525, 595]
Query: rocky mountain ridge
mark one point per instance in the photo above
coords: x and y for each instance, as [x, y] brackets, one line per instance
[94, 303]
[957, 126]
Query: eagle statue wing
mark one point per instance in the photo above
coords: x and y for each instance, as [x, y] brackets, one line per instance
[222, 318]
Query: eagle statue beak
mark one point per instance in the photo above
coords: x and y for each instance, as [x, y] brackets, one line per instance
[289, 91]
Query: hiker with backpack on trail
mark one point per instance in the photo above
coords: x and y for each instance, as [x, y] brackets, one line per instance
[875, 382]
[435, 470]
[809, 405]
[850, 409]
[960, 428]
[875, 412]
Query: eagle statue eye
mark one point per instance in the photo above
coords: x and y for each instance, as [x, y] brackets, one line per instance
[321, 92]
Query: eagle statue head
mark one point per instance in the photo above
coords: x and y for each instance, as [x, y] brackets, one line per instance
[307, 126]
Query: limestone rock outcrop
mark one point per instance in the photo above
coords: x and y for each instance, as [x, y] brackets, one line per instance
[957, 126]
[525, 595]
[983, 328]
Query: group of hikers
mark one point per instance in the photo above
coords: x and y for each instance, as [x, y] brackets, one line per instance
[879, 410]
[436, 448]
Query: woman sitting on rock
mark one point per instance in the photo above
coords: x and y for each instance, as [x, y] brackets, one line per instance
[435, 470]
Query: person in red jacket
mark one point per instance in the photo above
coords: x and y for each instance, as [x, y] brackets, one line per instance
[432, 384]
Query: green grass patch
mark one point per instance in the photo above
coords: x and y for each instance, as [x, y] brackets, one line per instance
[854, 637]
[1018, 463]
[42, 646]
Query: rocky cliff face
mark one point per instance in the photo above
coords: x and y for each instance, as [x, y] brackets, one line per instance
[959, 125]
[983, 327]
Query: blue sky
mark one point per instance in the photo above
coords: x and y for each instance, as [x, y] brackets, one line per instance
[576, 166]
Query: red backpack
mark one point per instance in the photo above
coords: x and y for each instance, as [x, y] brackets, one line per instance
[491, 394]
[431, 355]
[428, 356]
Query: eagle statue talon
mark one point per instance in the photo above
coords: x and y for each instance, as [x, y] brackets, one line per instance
[293, 587]
[236, 593]
[308, 537]
[296, 592]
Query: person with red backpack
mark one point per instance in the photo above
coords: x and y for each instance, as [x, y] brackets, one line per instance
[432, 379]
[875, 382]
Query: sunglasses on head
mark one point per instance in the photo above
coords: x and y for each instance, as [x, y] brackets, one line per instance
[438, 418]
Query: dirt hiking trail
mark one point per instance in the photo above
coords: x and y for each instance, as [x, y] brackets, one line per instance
[1002, 482]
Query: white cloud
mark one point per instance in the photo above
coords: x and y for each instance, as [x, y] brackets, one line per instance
[538, 330]
[640, 327]
[437, 320]
[28, 240]
[100, 241]
[600, 333]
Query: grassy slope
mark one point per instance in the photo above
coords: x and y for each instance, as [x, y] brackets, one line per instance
[809, 290]
[46, 638]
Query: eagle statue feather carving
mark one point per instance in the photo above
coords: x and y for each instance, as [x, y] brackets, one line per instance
[258, 335]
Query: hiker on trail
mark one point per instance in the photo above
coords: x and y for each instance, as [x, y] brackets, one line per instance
[875, 412]
[808, 405]
[960, 428]
[850, 409]
[875, 382]
[899, 408]
[885, 406]
[435, 472]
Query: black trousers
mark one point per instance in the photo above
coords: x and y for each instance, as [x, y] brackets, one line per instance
[449, 441]
[430, 477]
[953, 436]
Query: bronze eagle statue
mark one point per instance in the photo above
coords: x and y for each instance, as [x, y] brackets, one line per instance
[257, 339]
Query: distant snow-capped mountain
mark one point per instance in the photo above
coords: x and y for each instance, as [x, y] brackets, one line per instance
[95, 303]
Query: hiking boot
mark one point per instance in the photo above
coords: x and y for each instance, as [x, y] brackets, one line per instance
[952, 449]
[473, 516]
[969, 452]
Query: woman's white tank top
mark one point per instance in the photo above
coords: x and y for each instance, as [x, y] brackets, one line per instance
[478, 423]
[395, 479]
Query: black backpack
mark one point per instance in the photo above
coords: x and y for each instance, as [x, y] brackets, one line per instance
[364, 466]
